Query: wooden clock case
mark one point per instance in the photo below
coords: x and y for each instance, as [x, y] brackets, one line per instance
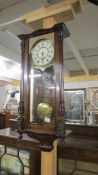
[44, 133]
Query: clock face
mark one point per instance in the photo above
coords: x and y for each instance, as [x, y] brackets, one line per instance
[42, 53]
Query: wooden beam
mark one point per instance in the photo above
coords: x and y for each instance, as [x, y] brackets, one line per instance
[81, 78]
[76, 4]
[49, 161]
[77, 7]
[61, 12]
[48, 22]
[13, 83]
[50, 8]
[81, 72]
[3, 83]
[48, 12]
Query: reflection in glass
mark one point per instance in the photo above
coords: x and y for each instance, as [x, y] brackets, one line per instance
[42, 96]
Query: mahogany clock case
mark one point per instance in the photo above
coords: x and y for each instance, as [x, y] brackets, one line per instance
[42, 86]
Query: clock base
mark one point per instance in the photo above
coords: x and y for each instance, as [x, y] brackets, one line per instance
[45, 139]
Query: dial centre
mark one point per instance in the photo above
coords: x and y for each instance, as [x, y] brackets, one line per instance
[42, 53]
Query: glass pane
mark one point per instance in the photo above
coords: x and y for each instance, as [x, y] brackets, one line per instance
[24, 156]
[73, 167]
[2, 150]
[14, 161]
[42, 84]
[26, 171]
[11, 164]
[66, 167]
[11, 151]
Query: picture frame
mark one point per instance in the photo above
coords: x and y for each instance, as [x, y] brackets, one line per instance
[74, 100]
[93, 96]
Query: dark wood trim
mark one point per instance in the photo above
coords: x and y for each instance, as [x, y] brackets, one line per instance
[86, 130]
[81, 144]
[57, 27]
[59, 83]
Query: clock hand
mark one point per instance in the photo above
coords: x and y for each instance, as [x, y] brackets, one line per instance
[43, 57]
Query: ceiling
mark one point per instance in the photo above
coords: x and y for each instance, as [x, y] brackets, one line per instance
[84, 37]
[6, 4]
[80, 50]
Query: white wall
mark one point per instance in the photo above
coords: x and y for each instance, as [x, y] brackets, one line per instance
[10, 89]
[76, 85]
[4, 96]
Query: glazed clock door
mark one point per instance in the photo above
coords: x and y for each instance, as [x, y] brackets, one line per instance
[41, 77]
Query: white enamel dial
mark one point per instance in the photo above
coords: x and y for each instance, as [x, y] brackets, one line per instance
[42, 52]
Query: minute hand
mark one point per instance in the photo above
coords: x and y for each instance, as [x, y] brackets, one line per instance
[43, 57]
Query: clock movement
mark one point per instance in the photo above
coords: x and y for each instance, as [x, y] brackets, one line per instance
[41, 97]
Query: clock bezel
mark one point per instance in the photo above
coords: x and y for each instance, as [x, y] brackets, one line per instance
[51, 58]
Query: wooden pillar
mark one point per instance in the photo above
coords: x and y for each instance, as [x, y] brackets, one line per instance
[48, 22]
[49, 161]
